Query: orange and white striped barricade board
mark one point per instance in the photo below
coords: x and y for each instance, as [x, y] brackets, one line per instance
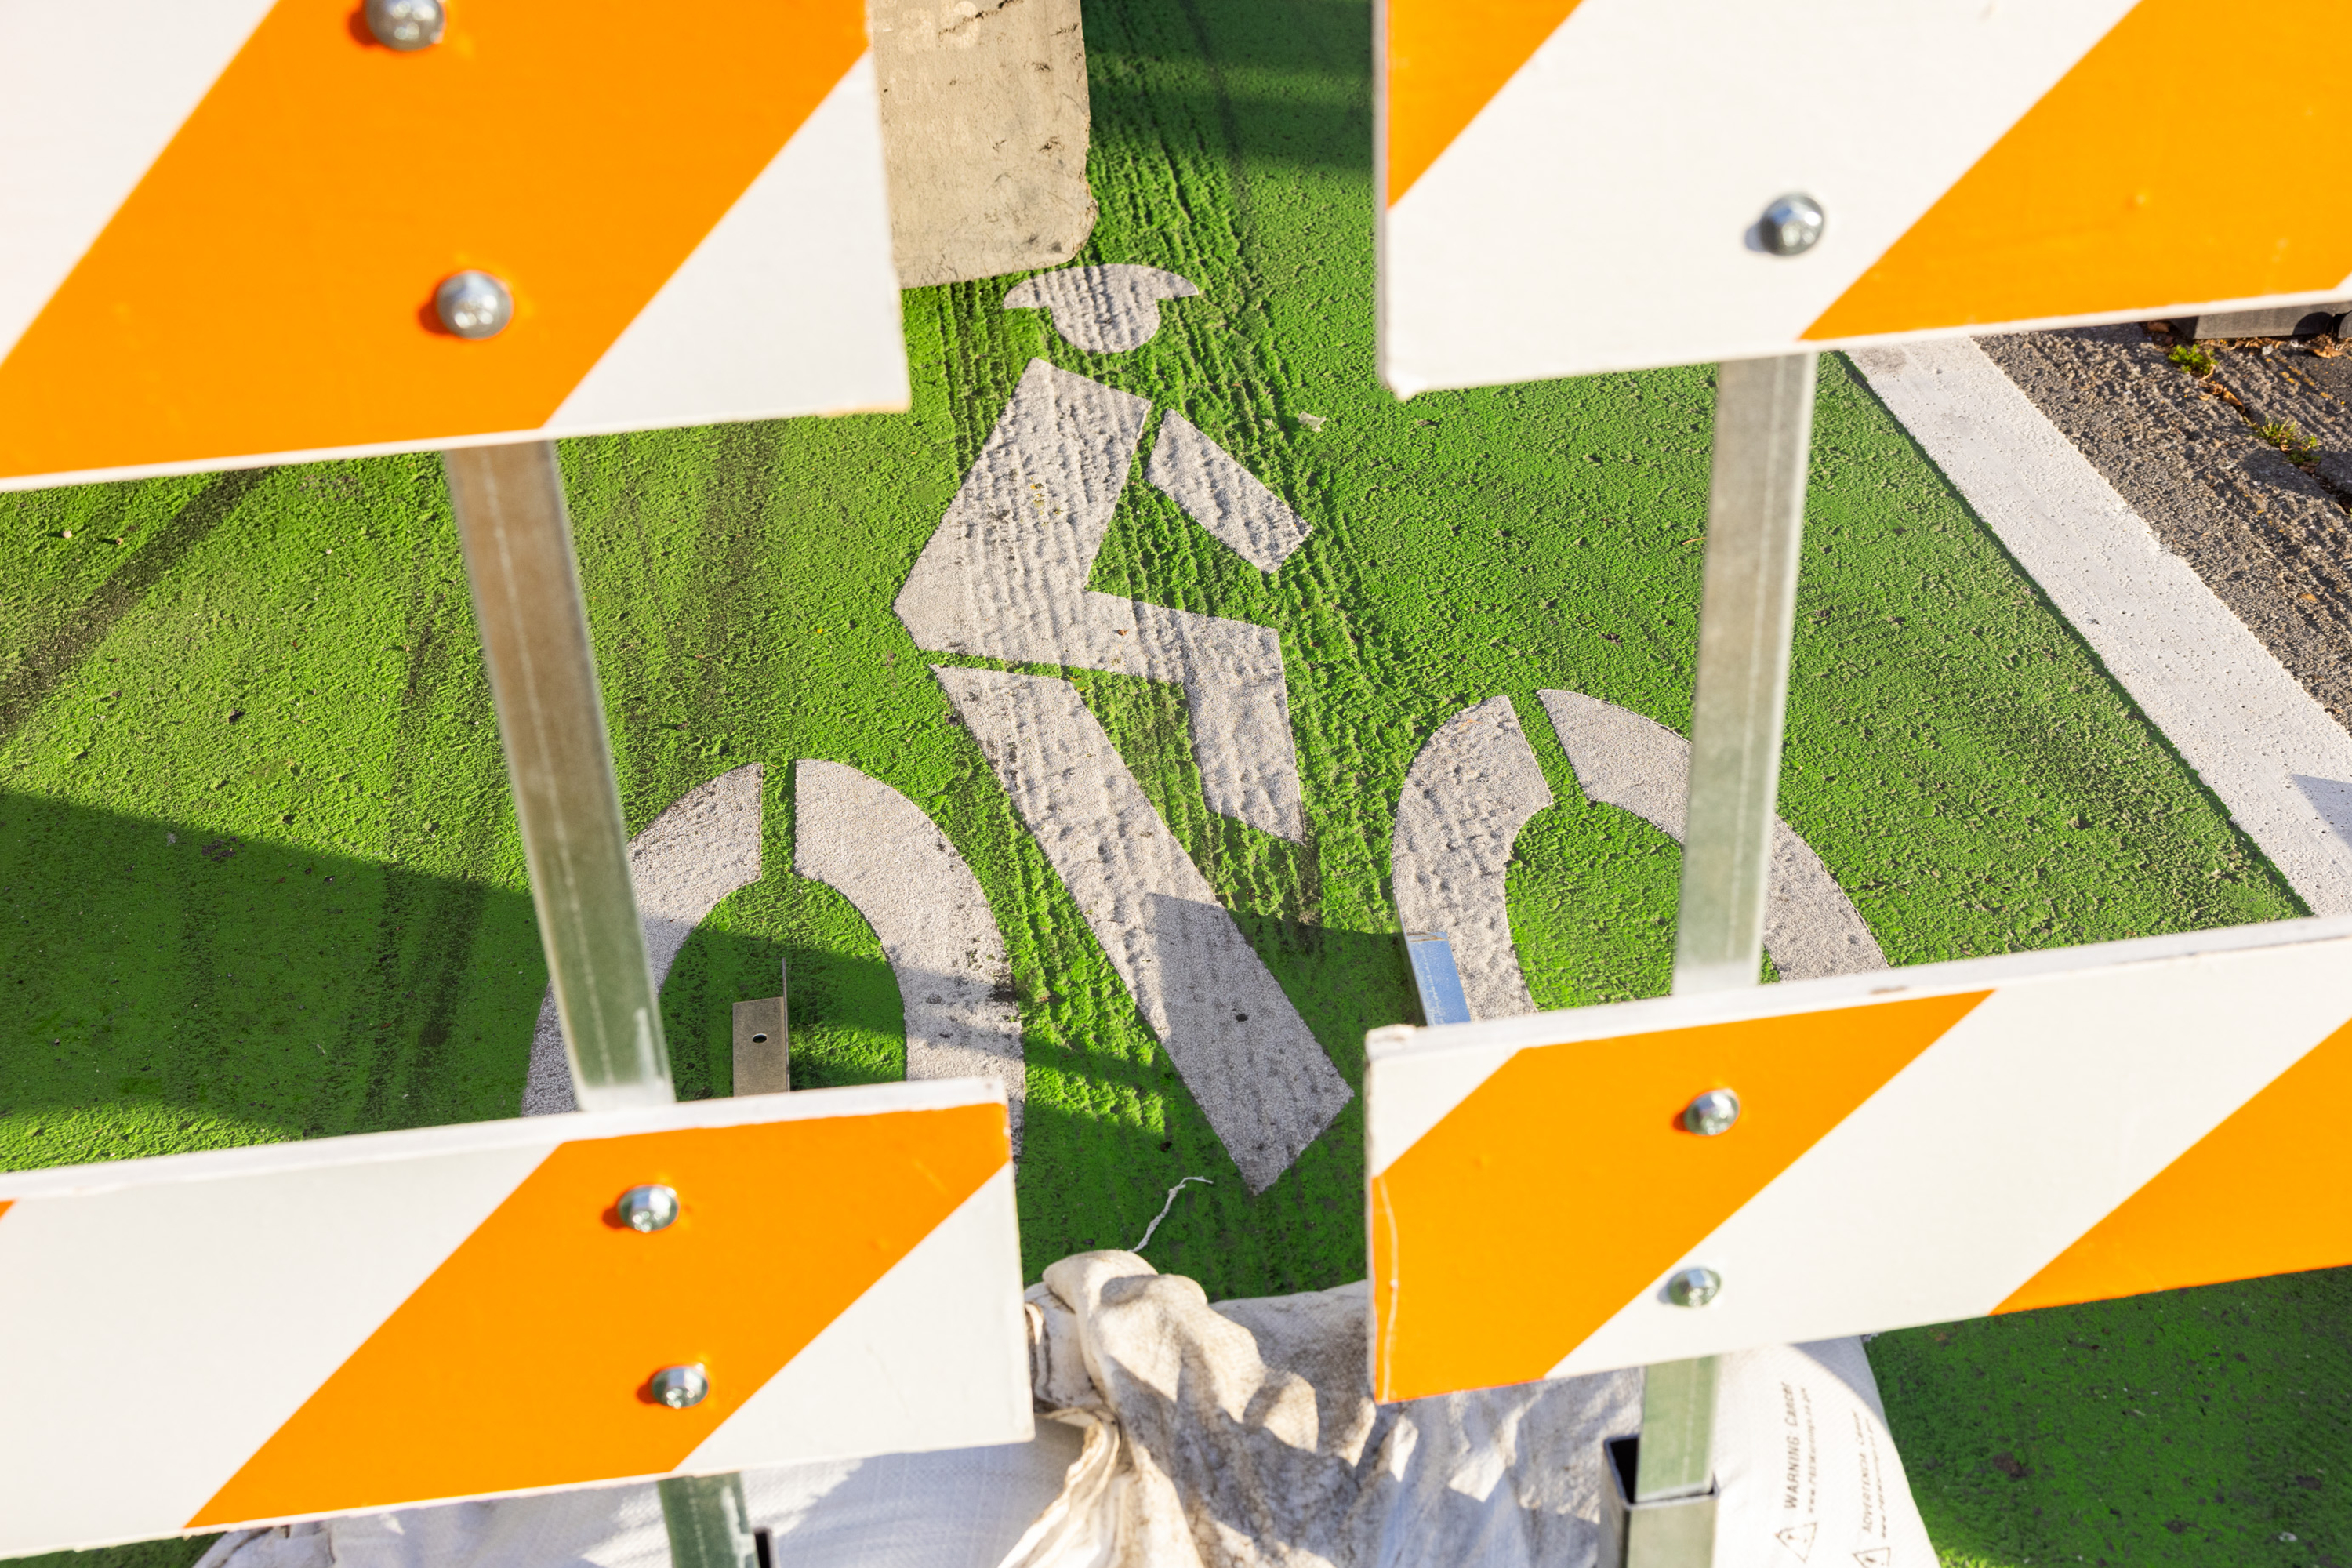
[1912, 1146]
[1577, 186]
[224, 225]
[256, 1335]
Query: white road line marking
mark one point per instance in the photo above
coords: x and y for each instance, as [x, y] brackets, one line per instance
[1471, 789]
[1622, 758]
[702, 848]
[2258, 740]
[1248, 1059]
[1222, 497]
[1005, 577]
[884, 854]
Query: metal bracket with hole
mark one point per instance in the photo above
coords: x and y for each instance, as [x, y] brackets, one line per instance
[1645, 1534]
[762, 1047]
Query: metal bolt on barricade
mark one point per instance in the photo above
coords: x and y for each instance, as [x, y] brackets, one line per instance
[473, 305]
[407, 25]
[679, 1388]
[1793, 224]
[1711, 1114]
[1693, 1287]
[647, 1208]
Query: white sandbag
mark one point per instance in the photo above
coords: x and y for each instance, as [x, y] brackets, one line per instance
[1807, 1469]
[1245, 1435]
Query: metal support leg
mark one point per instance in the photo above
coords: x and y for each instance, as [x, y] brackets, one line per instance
[1756, 513]
[1435, 979]
[709, 1526]
[1756, 510]
[534, 630]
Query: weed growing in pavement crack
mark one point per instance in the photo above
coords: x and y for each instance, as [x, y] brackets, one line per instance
[2302, 450]
[2196, 362]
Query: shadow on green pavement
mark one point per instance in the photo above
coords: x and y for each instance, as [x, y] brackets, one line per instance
[166, 987]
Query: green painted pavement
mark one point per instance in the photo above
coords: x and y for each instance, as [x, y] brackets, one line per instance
[2195, 1427]
[262, 879]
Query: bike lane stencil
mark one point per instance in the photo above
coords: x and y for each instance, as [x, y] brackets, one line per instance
[1004, 578]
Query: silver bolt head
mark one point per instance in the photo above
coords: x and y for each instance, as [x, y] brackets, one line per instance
[407, 25]
[647, 1208]
[1793, 224]
[1693, 1287]
[473, 305]
[679, 1388]
[1712, 1113]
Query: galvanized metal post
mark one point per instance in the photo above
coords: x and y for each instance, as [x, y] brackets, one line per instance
[1677, 1430]
[710, 1524]
[1435, 979]
[535, 630]
[1756, 512]
[1756, 508]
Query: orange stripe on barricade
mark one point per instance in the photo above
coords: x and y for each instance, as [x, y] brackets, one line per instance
[523, 1360]
[1446, 58]
[1568, 1167]
[2117, 191]
[267, 287]
[2267, 1192]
